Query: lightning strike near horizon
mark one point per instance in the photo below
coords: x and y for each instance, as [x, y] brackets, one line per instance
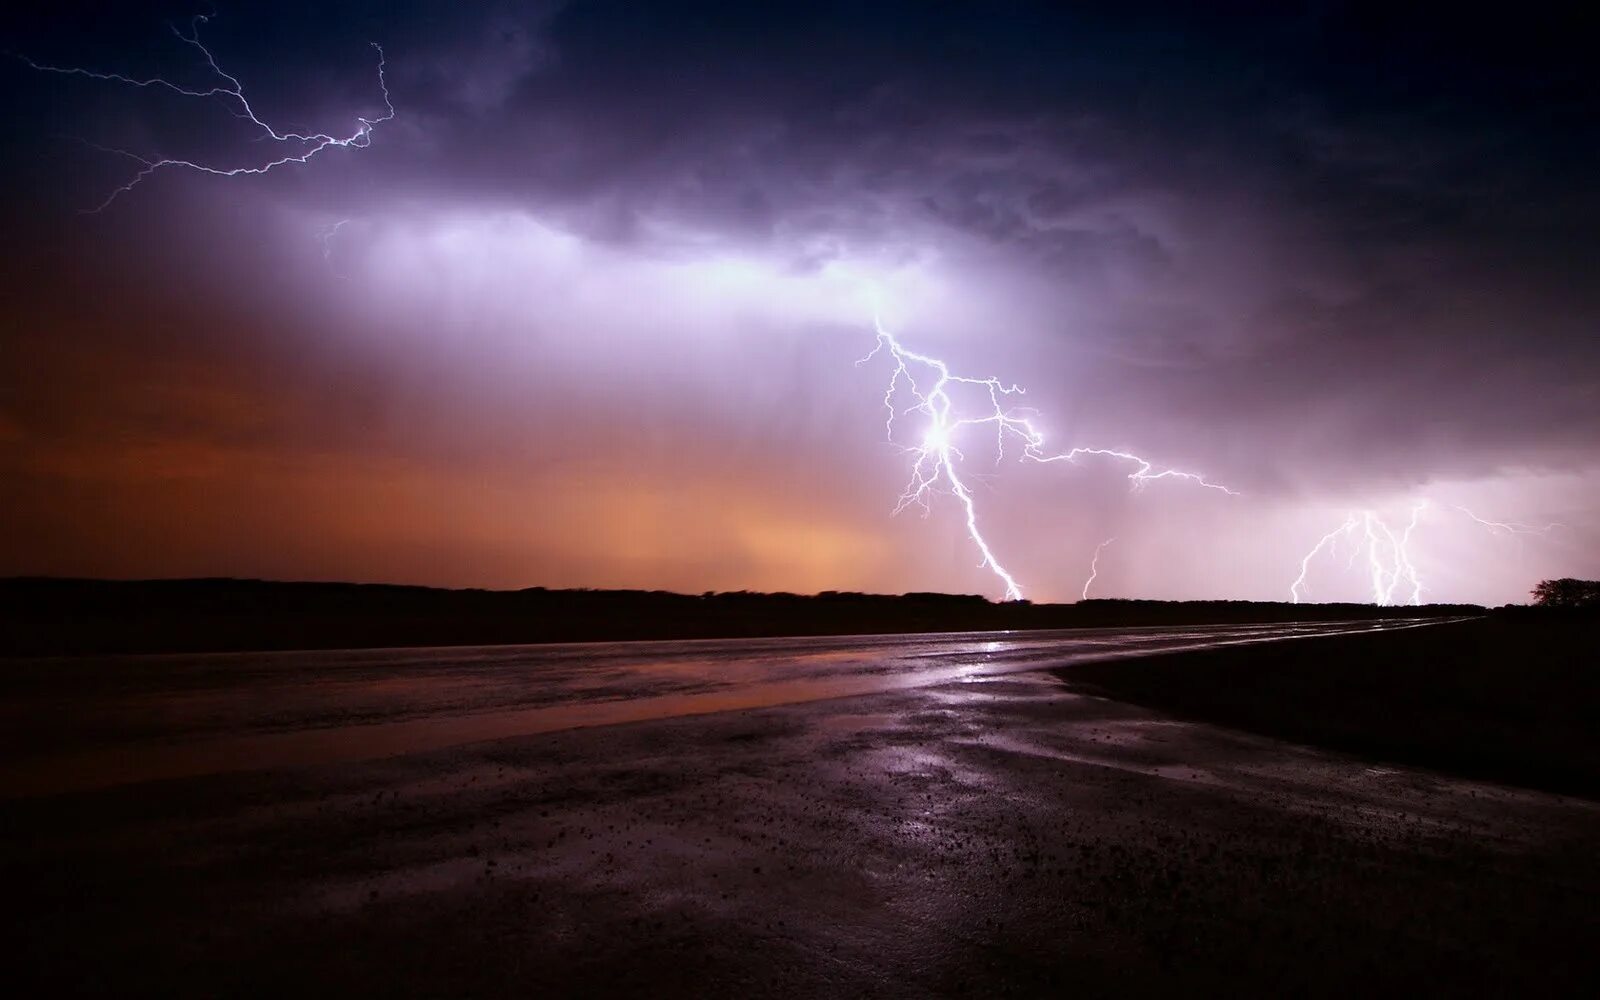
[1388, 554]
[1387, 551]
[1094, 567]
[929, 382]
[301, 146]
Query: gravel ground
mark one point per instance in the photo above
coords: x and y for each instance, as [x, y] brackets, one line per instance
[995, 835]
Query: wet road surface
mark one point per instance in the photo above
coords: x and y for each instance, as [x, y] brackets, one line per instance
[991, 833]
[76, 723]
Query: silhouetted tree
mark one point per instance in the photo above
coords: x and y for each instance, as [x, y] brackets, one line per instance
[1567, 593]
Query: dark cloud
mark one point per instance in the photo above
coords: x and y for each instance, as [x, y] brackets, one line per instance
[1328, 252]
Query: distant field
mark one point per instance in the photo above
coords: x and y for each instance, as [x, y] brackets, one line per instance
[50, 616]
[1511, 697]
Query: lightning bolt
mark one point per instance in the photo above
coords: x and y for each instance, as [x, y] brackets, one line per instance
[1388, 552]
[1511, 527]
[1145, 473]
[300, 147]
[927, 380]
[325, 236]
[1094, 567]
[1325, 542]
[984, 402]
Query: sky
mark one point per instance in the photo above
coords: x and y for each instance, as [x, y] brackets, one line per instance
[590, 308]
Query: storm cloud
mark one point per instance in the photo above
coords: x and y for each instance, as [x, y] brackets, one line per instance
[587, 311]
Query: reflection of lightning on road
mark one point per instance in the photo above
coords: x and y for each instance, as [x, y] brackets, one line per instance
[296, 147]
[950, 404]
[1094, 567]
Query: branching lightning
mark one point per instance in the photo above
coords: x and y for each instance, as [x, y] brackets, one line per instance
[1145, 473]
[1094, 567]
[1511, 527]
[984, 402]
[948, 407]
[297, 147]
[1387, 552]
[1389, 564]
[325, 236]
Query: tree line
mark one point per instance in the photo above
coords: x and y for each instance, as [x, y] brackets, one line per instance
[1567, 593]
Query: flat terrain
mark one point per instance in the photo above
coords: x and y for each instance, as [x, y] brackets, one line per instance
[1511, 697]
[71, 723]
[46, 616]
[989, 829]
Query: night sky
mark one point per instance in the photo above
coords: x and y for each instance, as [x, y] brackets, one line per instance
[587, 311]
